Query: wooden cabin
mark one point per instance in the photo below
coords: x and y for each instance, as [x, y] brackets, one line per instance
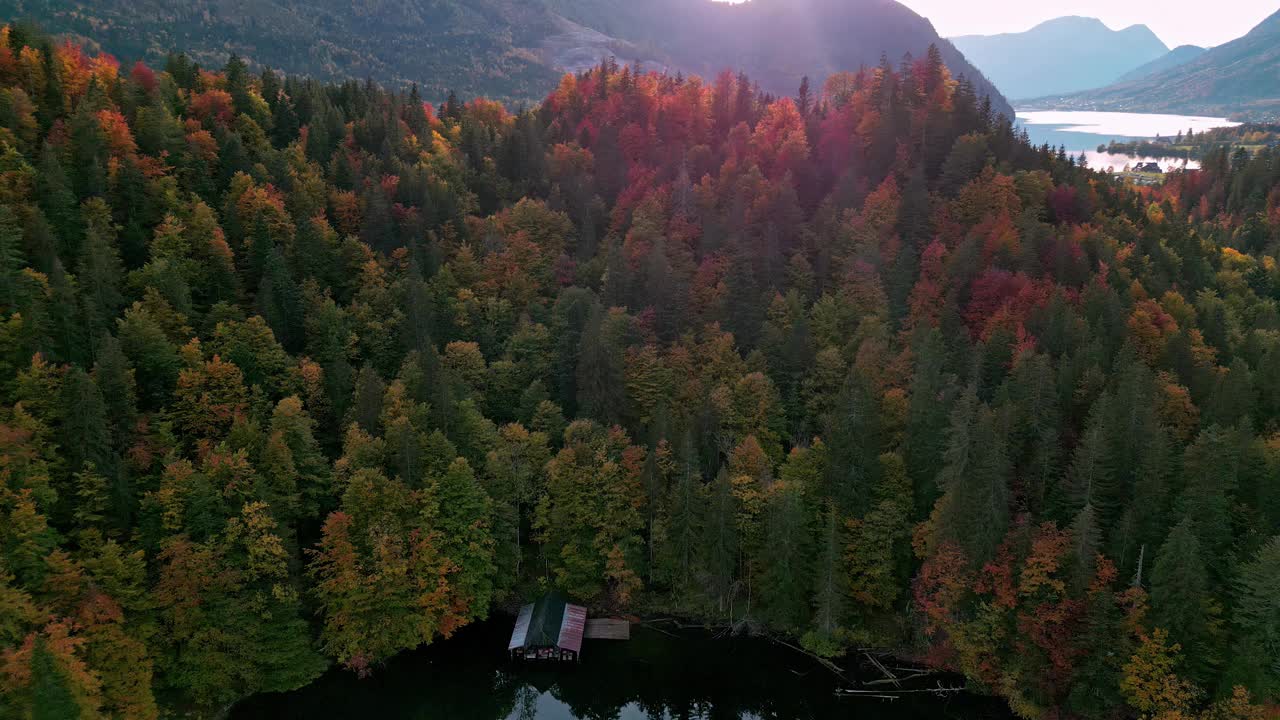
[549, 629]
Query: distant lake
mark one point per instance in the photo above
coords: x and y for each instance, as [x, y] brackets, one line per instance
[1084, 131]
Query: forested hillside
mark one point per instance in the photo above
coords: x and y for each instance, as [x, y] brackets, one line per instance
[474, 47]
[513, 50]
[777, 42]
[295, 374]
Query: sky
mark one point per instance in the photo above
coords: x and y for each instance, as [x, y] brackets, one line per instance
[1176, 22]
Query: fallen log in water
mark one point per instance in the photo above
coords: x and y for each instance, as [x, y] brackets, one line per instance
[835, 669]
[939, 690]
[897, 681]
[889, 676]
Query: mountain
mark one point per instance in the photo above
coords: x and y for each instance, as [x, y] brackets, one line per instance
[1240, 78]
[509, 49]
[1180, 55]
[470, 45]
[776, 42]
[1064, 55]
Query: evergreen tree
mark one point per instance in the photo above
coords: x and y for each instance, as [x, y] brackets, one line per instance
[720, 544]
[599, 376]
[1256, 620]
[973, 510]
[100, 273]
[86, 428]
[787, 557]
[52, 694]
[1180, 598]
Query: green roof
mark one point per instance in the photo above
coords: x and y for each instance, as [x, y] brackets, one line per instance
[549, 622]
[544, 624]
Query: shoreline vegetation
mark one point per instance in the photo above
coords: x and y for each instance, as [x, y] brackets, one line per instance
[1249, 138]
[679, 671]
[296, 375]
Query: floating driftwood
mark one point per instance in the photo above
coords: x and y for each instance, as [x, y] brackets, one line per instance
[835, 669]
[886, 694]
[897, 681]
[654, 626]
[889, 676]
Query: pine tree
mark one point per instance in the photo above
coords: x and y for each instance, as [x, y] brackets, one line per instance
[86, 430]
[787, 556]
[12, 257]
[927, 419]
[154, 358]
[1180, 598]
[599, 378]
[829, 578]
[1256, 619]
[53, 696]
[58, 201]
[116, 384]
[681, 523]
[1212, 468]
[973, 510]
[720, 543]
[1084, 548]
[101, 274]
[853, 435]
[1103, 645]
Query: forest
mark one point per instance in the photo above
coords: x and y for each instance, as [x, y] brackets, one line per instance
[297, 374]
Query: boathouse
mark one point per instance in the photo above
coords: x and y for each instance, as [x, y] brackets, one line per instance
[549, 629]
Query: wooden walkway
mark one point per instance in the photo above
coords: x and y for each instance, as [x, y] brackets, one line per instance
[607, 629]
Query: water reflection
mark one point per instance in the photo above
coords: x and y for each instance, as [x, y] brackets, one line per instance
[651, 677]
[1120, 124]
[1086, 131]
[1104, 161]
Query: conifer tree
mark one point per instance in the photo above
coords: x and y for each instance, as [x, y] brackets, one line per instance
[1180, 598]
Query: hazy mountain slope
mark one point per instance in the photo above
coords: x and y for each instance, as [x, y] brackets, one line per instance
[1180, 55]
[509, 49]
[1241, 77]
[473, 46]
[1064, 55]
[776, 42]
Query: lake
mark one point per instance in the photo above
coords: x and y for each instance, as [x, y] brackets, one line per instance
[691, 675]
[1083, 132]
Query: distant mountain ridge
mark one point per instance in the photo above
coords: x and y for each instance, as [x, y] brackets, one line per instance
[1180, 55]
[1241, 78]
[1060, 56]
[510, 49]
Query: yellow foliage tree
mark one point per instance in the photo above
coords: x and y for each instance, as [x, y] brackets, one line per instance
[1150, 682]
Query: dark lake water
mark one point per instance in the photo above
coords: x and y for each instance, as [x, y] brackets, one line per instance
[653, 676]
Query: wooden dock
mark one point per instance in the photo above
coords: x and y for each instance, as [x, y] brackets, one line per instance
[607, 629]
